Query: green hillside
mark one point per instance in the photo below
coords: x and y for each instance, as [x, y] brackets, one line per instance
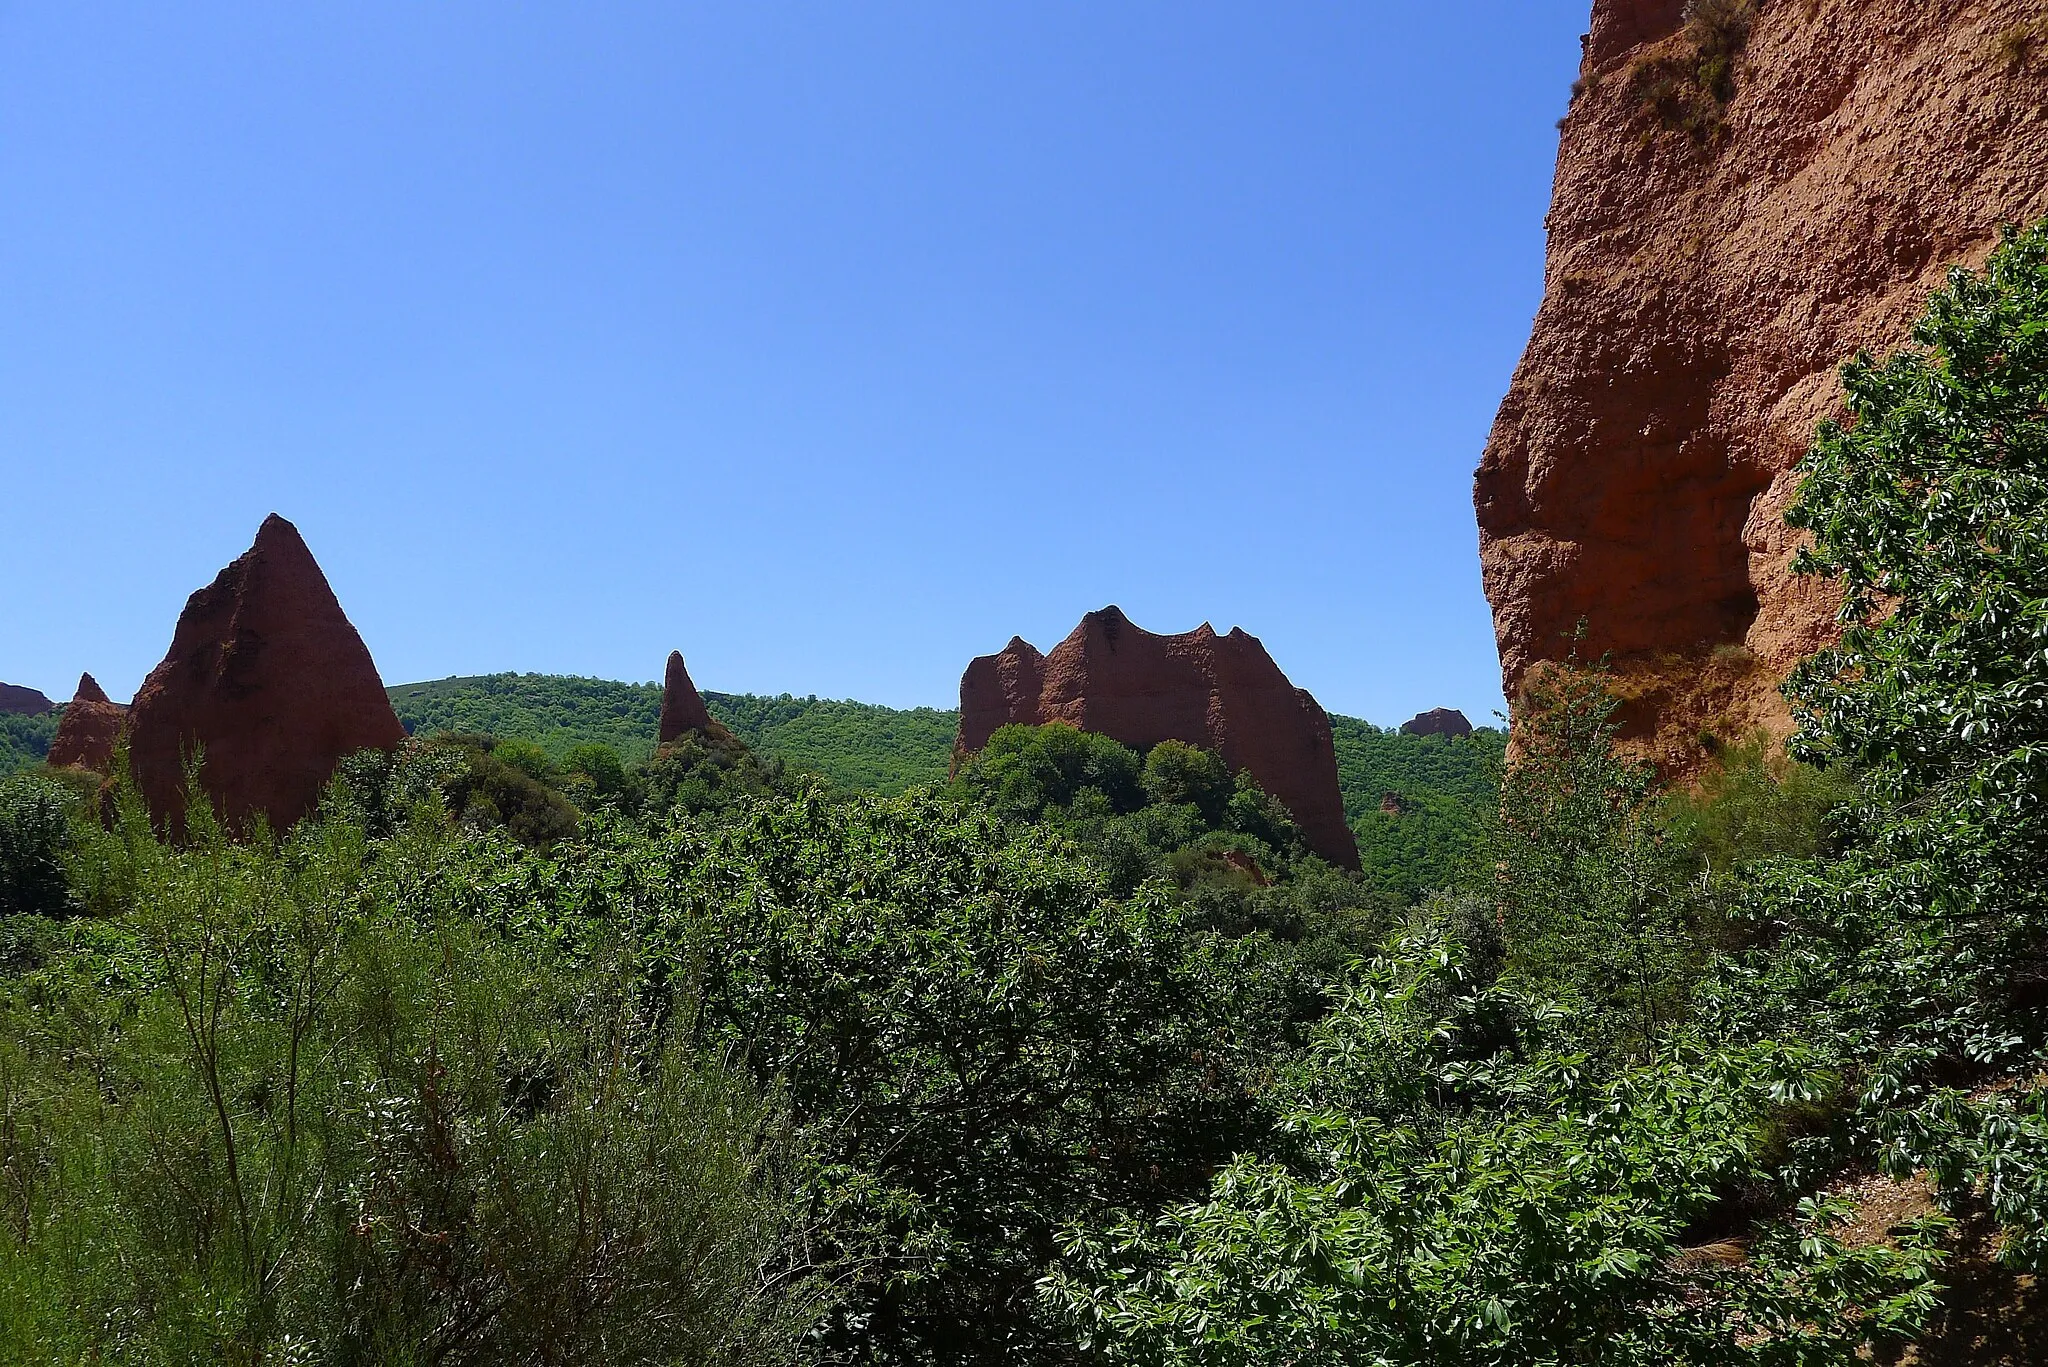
[858, 746]
[557, 712]
[1443, 785]
[25, 740]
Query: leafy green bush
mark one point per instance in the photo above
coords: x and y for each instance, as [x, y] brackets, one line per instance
[35, 834]
[290, 1105]
[1591, 900]
[1469, 1192]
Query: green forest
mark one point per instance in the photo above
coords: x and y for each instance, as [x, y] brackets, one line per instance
[551, 1051]
[25, 740]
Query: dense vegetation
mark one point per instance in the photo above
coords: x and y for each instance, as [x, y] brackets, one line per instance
[1441, 790]
[861, 747]
[25, 740]
[1443, 786]
[557, 712]
[1082, 1058]
[857, 746]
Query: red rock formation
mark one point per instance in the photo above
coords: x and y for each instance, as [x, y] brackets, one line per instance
[1223, 693]
[23, 702]
[266, 674]
[89, 729]
[1441, 721]
[1702, 290]
[682, 707]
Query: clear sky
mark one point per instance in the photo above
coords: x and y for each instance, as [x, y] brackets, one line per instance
[831, 343]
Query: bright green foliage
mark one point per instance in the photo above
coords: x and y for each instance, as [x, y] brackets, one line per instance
[35, 836]
[554, 711]
[1756, 803]
[1176, 774]
[1933, 502]
[1028, 771]
[1592, 901]
[1445, 787]
[1916, 951]
[301, 1105]
[24, 741]
[1472, 1192]
[979, 1043]
[856, 746]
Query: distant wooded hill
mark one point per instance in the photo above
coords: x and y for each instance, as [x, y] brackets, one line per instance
[855, 745]
[1440, 786]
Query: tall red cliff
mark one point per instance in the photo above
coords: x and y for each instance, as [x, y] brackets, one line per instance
[267, 675]
[1719, 245]
[1223, 693]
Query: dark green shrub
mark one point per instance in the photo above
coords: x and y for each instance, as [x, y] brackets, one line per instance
[35, 833]
[1027, 771]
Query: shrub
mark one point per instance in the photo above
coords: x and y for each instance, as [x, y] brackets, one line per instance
[283, 1107]
[35, 834]
[1690, 94]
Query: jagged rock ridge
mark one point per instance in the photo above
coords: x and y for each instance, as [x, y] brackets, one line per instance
[89, 729]
[266, 674]
[1223, 693]
[1704, 284]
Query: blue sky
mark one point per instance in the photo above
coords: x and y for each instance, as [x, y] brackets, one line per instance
[832, 344]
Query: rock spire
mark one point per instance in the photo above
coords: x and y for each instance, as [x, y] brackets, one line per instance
[266, 676]
[89, 729]
[682, 707]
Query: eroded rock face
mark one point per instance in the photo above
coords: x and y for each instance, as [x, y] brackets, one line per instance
[1223, 693]
[268, 676]
[20, 701]
[1701, 293]
[89, 729]
[1440, 721]
[682, 707]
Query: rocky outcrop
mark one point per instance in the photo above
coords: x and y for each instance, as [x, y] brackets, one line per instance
[268, 678]
[1223, 693]
[1717, 249]
[1439, 721]
[16, 700]
[682, 706]
[89, 729]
